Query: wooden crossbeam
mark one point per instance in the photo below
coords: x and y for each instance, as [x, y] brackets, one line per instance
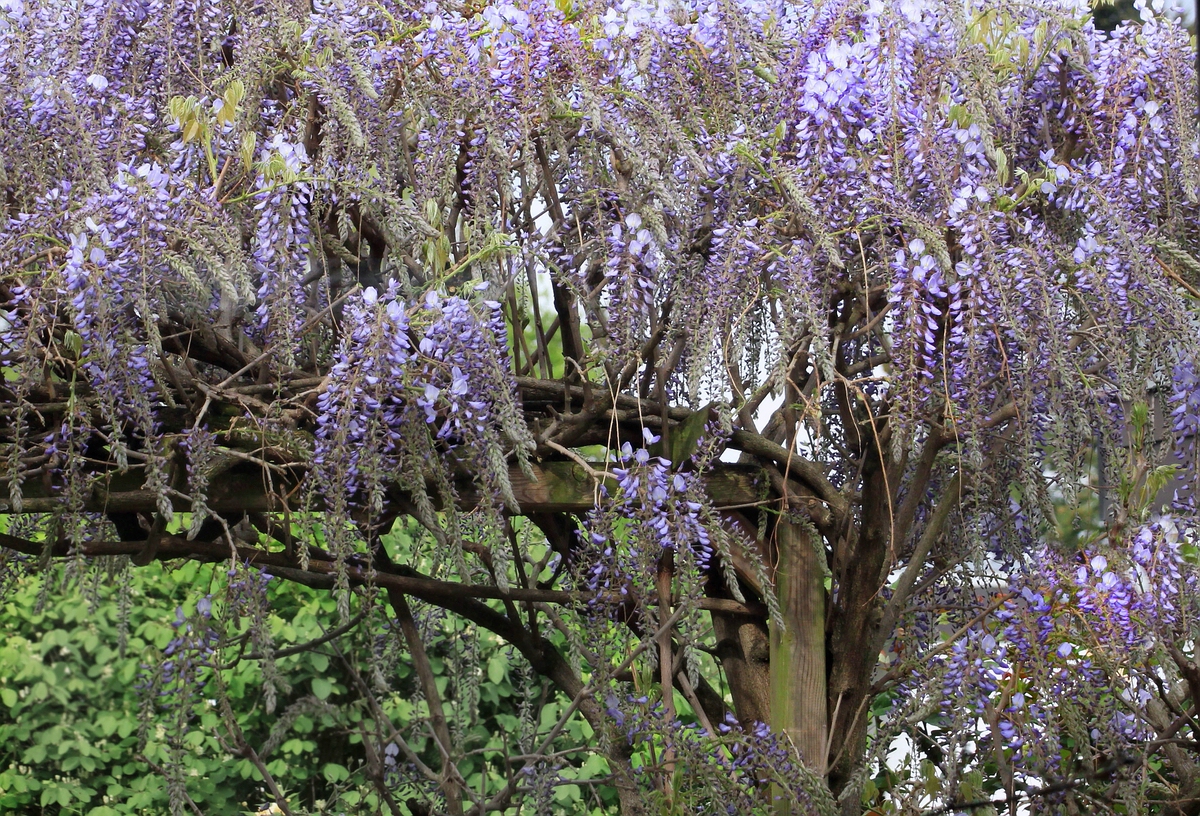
[555, 486]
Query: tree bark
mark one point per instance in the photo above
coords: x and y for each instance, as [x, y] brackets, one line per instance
[437, 715]
[854, 628]
[744, 649]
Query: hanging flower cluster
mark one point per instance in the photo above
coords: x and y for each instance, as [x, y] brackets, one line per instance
[409, 387]
[656, 510]
[1063, 652]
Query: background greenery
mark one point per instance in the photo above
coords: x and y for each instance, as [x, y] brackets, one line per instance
[84, 729]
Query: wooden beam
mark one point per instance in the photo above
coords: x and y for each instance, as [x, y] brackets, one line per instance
[798, 682]
[555, 486]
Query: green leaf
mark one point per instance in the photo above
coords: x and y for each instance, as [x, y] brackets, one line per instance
[73, 343]
[335, 773]
[496, 668]
[686, 437]
[235, 93]
[247, 148]
[933, 781]
[567, 794]
[107, 724]
[321, 688]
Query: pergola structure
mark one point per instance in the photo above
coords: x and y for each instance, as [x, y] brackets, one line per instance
[776, 673]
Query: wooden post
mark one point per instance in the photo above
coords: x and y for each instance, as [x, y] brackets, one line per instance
[798, 682]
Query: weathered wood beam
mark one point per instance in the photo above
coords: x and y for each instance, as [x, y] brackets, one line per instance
[798, 663]
[555, 486]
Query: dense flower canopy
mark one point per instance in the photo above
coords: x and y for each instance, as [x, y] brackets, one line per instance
[930, 265]
[1013, 191]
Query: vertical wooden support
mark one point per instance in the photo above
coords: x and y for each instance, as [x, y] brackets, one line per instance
[666, 660]
[798, 681]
